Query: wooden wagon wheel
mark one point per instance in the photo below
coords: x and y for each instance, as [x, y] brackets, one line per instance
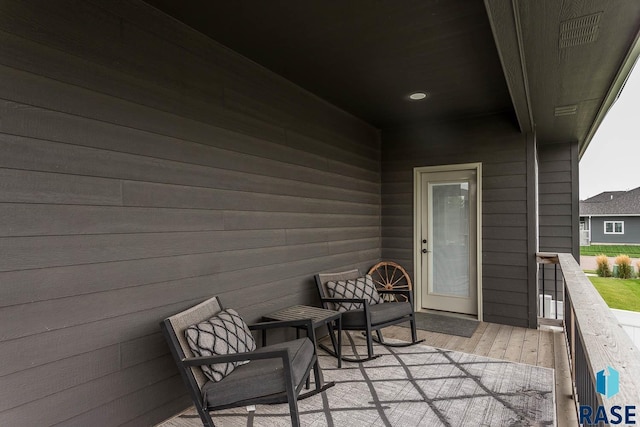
[390, 275]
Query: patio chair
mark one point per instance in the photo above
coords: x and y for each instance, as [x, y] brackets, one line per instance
[359, 314]
[274, 373]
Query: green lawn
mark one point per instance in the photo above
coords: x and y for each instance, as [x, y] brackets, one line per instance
[611, 250]
[623, 294]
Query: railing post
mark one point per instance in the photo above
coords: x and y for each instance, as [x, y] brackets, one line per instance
[572, 343]
[543, 292]
[555, 287]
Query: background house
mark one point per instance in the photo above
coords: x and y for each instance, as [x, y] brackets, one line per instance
[153, 154]
[612, 217]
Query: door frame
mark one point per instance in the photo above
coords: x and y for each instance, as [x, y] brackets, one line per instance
[417, 217]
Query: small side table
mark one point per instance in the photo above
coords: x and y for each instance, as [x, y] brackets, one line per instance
[320, 317]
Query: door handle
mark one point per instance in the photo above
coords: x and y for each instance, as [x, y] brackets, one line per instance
[424, 251]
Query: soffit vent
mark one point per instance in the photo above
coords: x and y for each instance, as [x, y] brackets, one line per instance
[566, 110]
[579, 31]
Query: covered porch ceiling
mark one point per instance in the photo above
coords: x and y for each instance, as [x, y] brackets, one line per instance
[556, 66]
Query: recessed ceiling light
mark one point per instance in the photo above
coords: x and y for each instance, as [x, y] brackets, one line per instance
[417, 96]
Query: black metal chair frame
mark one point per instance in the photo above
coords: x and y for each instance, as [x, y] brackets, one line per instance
[186, 366]
[369, 328]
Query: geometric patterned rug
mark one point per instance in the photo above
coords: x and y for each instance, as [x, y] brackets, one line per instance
[411, 386]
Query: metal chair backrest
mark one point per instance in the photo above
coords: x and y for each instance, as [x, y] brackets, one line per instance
[323, 278]
[177, 324]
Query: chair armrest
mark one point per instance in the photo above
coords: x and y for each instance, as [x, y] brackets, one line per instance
[342, 300]
[395, 291]
[237, 357]
[406, 292]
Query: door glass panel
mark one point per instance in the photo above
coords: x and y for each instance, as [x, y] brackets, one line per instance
[450, 239]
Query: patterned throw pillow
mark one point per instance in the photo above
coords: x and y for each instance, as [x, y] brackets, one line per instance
[226, 333]
[361, 288]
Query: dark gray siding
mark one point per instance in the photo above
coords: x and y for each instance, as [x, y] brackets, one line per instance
[508, 284]
[631, 230]
[558, 207]
[144, 168]
[558, 198]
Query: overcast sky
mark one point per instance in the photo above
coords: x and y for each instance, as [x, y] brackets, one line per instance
[612, 161]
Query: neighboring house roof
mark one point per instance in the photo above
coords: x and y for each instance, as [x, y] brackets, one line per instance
[612, 203]
[607, 196]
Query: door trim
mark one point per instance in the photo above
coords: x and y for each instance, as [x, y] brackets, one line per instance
[417, 215]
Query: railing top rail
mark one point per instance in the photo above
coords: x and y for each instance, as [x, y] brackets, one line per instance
[547, 258]
[604, 340]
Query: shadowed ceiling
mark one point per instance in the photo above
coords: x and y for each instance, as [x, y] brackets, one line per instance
[557, 66]
[366, 56]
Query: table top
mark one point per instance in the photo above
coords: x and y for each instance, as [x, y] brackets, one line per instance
[316, 314]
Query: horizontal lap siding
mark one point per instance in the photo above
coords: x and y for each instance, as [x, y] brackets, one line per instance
[558, 206]
[502, 150]
[557, 180]
[144, 168]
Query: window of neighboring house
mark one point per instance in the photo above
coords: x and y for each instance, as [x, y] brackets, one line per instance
[614, 227]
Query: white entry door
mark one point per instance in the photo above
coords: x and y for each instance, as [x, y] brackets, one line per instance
[447, 236]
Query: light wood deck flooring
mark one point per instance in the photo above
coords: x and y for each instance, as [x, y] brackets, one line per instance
[542, 347]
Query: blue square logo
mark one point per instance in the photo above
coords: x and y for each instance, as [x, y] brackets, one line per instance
[608, 385]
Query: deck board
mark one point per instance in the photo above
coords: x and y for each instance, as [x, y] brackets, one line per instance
[532, 352]
[473, 342]
[499, 347]
[515, 345]
[485, 343]
[545, 350]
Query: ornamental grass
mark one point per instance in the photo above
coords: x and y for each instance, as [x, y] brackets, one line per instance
[625, 270]
[603, 269]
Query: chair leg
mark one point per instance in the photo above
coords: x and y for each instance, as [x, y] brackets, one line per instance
[321, 385]
[369, 342]
[293, 407]
[295, 416]
[205, 417]
[414, 333]
[317, 375]
[380, 340]
[336, 344]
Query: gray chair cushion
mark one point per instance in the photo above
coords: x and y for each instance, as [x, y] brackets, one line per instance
[260, 377]
[380, 313]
